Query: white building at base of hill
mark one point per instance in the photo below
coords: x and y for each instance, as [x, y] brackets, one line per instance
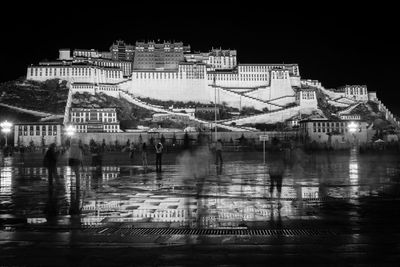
[330, 132]
[37, 134]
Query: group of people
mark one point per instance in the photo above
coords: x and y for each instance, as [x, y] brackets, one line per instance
[75, 157]
[143, 150]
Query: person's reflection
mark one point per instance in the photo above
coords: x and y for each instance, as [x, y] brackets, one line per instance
[275, 223]
[159, 180]
[277, 168]
[74, 208]
[145, 179]
[51, 209]
[97, 178]
[219, 169]
[276, 181]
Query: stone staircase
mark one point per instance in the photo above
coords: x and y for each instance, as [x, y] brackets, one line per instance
[242, 94]
[132, 99]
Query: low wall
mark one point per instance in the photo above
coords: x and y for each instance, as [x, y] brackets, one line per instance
[122, 138]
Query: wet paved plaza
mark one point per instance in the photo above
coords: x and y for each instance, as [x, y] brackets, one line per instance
[334, 208]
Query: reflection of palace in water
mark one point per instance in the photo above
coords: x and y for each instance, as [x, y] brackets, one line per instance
[240, 194]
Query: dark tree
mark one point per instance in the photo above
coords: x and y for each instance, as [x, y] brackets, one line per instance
[162, 139]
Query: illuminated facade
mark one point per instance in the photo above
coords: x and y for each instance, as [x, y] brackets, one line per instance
[92, 120]
[37, 134]
[329, 132]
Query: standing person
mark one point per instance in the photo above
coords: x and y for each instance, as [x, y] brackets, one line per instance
[277, 168]
[218, 152]
[159, 149]
[22, 153]
[75, 157]
[144, 155]
[131, 151]
[50, 162]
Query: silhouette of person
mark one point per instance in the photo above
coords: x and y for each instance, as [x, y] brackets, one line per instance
[218, 152]
[75, 156]
[74, 208]
[131, 151]
[276, 172]
[22, 153]
[51, 209]
[159, 150]
[159, 180]
[144, 155]
[50, 162]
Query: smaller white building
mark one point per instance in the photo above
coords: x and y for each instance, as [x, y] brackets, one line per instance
[37, 133]
[92, 120]
[356, 92]
[326, 131]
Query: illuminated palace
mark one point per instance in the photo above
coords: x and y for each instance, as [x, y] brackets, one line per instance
[171, 71]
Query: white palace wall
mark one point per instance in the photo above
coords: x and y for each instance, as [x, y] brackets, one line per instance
[280, 84]
[283, 101]
[170, 88]
[261, 93]
[74, 73]
[235, 100]
[192, 83]
[272, 117]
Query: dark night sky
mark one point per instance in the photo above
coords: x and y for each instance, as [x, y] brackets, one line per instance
[334, 44]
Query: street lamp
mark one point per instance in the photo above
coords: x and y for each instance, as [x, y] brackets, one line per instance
[70, 130]
[352, 126]
[6, 128]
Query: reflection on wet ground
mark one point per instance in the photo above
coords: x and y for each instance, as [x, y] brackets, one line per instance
[196, 193]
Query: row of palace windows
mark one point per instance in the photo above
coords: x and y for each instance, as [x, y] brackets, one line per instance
[108, 128]
[256, 68]
[37, 130]
[329, 124]
[241, 77]
[74, 72]
[308, 95]
[357, 91]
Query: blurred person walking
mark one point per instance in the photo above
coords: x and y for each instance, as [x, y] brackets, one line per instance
[218, 152]
[22, 154]
[131, 151]
[75, 156]
[159, 149]
[50, 162]
[144, 155]
[277, 166]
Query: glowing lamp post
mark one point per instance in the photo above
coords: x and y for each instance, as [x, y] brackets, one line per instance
[6, 128]
[70, 130]
[352, 126]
